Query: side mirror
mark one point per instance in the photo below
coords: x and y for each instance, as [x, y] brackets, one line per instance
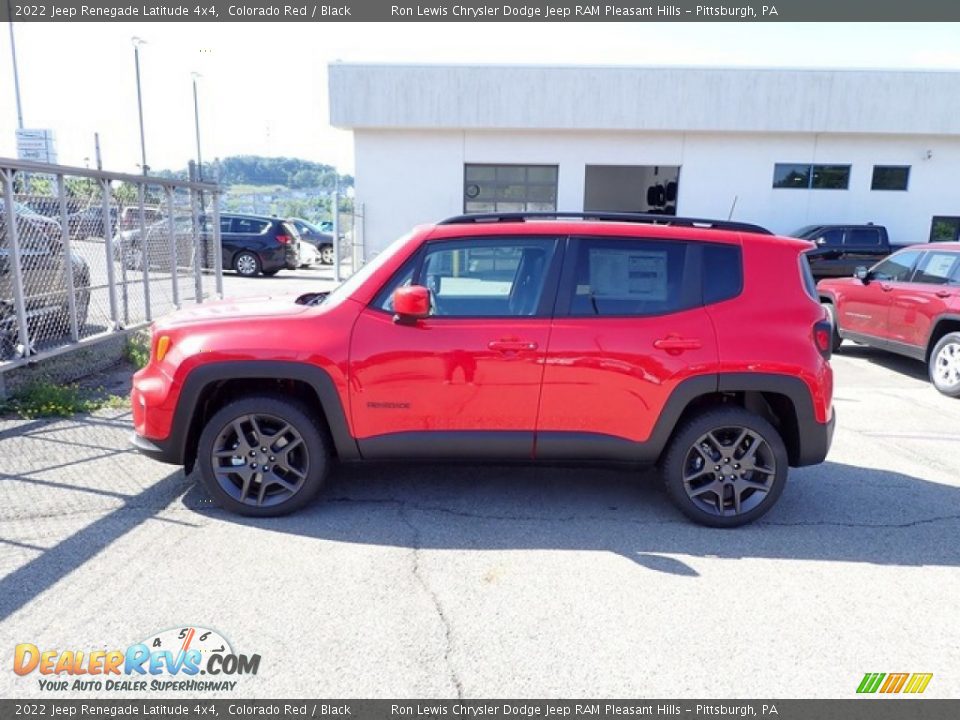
[862, 274]
[411, 302]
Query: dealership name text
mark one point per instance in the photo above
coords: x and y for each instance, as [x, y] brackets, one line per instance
[551, 11]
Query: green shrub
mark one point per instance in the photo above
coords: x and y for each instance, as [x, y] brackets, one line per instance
[43, 398]
[137, 349]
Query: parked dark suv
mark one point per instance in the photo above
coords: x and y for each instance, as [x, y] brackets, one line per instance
[254, 244]
[699, 346]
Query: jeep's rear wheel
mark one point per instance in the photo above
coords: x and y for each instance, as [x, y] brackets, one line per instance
[263, 456]
[945, 365]
[726, 467]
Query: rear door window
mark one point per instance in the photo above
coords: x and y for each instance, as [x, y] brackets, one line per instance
[631, 277]
[863, 237]
[249, 226]
[937, 268]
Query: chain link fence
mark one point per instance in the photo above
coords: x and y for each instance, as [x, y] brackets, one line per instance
[348, 227]
[85, 254]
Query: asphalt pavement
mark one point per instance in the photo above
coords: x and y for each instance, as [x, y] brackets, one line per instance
[499, 581]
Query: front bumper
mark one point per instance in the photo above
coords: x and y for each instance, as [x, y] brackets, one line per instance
[156, 450]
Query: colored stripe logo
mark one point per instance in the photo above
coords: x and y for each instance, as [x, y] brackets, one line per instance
[912, 683]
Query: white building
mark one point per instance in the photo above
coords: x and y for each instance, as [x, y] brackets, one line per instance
[781, 148]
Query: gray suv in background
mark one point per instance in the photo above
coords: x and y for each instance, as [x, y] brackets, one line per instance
[43, 264]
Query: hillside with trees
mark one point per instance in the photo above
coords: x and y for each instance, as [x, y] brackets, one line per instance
[292, 173]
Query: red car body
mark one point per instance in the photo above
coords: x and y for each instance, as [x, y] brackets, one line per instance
[547, 386]
[906, 304]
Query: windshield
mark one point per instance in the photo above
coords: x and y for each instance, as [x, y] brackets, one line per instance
[360, 277]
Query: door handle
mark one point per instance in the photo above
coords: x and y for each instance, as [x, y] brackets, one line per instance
[943, 293]
[511, 345]
[885, 287]
[674, 343]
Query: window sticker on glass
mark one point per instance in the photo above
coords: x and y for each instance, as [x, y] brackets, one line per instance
[635, 275]
[939, 265]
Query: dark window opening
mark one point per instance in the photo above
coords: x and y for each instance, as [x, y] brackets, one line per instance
[890, 177]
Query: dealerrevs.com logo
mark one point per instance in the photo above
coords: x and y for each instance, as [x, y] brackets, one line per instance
[893, 683]
[185, 659]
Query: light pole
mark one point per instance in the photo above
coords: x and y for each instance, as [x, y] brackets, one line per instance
[137, 42]
[196, 121]
[16, 74]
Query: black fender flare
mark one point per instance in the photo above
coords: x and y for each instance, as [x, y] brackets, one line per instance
[200, 378]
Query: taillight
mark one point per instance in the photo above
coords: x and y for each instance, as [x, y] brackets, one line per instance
[283, 239]
[823, 337]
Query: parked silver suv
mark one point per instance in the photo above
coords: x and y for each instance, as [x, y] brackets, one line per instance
[43, 263]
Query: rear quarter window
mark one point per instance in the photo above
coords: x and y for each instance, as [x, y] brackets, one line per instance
[722, 273]
[809, 283]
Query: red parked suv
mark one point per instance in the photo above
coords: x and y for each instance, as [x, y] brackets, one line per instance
[908, 304]
[696, 345]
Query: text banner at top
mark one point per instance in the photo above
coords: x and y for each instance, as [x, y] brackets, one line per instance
[473, 11]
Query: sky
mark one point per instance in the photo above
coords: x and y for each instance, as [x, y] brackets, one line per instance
[263, 89]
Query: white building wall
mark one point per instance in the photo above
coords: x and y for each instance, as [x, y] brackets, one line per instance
[407, 177]
[643, 98]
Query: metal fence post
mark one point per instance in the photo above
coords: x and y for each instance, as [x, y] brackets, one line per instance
[336, 231]
[197, 247]
[217, 244]
[19, 300]
[144, 254]
[172, 228]
[67, 257]
[108, 249]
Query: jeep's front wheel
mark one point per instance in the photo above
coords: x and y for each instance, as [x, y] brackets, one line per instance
[263, 456]
[725, 467]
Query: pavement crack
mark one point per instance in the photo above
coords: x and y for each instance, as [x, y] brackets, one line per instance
[893, 526]
[416, 546]
[505, 517]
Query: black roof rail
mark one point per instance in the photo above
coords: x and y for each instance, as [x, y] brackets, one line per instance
[649, 218]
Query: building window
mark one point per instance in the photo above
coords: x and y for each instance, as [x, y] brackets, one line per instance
[945, 229]
[811, 177]
[509, 188]
[890, 177]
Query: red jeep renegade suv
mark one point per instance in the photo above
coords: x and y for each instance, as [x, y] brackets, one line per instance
[908, 304]
[697, 345]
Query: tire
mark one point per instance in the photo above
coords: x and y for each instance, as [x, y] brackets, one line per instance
[270, 273]
[238, 486]
[691, 452]
[326, 254]
[835, 332]
[944, 365]
[246, 264]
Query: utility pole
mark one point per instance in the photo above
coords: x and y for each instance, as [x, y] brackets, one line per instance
[16, 74]
[137, 42]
